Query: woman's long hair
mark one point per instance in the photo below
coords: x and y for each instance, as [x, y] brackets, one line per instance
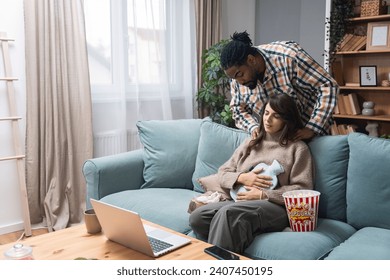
[286, 108]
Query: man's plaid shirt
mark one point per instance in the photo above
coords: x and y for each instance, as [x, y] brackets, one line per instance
[289, 70]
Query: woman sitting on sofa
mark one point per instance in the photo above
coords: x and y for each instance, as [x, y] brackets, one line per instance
[234, 224]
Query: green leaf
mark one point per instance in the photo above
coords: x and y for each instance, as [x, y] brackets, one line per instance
[215, 91]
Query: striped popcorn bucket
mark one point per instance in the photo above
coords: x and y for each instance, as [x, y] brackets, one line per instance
[302, 209]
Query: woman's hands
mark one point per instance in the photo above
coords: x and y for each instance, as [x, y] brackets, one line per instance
[255, 179]
[252, 193]
[252, 182]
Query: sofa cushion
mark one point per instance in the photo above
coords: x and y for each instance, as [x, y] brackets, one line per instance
[211, 183]
[300, 245]
[330, 154]
[216, 145]
[368, 186]
[170, 149]
[366, 244]
[166, 207]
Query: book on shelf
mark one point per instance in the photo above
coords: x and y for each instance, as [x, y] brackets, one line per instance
[336, 110]
[342, 129]
[358, 43]
[353, 100]
[349, 45]
[352, 84]
[347, 104]
[340, 105]
[347, 37]
[361, 43]
[351, 128]
[352, 42]
[333, 129]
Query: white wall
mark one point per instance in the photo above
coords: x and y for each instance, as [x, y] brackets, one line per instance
[277, 20]
[312, 28]
[302, 21]
[11, 22]
[238, 16]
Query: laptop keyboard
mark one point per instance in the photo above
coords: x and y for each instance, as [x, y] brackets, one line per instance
[158, 245]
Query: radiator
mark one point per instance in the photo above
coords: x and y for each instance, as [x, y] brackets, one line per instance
[115, 142]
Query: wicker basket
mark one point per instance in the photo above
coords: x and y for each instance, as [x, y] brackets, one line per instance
[373, 8]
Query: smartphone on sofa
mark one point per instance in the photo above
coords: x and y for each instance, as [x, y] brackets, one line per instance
[221, 253]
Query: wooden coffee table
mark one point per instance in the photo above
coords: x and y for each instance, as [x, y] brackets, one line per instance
[75, 242]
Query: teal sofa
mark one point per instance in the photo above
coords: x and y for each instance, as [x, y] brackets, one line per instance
[158, 182]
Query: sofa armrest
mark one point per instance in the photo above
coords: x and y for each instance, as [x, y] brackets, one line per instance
[112, 174]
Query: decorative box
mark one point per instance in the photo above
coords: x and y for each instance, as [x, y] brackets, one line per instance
[373, 8]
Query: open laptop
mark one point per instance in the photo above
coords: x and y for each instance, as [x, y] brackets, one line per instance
[126, 228]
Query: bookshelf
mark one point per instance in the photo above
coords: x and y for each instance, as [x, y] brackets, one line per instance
[346, 70]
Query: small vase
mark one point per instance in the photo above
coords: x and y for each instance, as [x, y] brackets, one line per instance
[368, 111]
[368, 105]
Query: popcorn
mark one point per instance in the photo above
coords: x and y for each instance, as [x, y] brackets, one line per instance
[302, 209]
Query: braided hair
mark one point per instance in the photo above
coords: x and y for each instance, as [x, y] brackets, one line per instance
[237, 50]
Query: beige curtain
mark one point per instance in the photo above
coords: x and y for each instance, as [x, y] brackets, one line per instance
[208, 32]
[59, 126]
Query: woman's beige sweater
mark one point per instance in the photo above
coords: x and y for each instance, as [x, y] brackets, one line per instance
[295, 158]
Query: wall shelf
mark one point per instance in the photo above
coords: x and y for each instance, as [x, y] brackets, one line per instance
[363, 52]
[383, 118]
[370, 19]
[347, 72]
[378, 88]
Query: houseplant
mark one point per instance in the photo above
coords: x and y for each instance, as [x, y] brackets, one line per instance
[342, 11]
[214, 94]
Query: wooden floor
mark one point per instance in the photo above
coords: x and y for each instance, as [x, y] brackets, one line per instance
[15, 236]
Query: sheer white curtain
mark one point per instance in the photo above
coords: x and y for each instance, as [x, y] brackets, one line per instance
[142, 65]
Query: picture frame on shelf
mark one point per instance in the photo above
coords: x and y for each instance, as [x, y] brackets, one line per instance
[367, 76]
[378, 36]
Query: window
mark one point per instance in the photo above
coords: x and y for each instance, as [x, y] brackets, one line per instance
[131, 44]
[98, 27]
[146, 25]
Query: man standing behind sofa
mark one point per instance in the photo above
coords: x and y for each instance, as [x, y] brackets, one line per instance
[278, 67]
